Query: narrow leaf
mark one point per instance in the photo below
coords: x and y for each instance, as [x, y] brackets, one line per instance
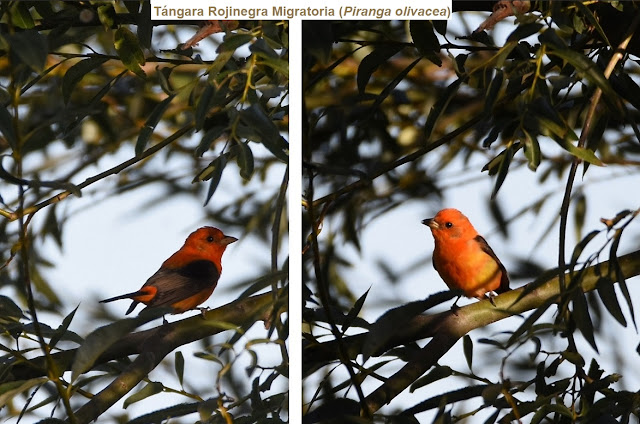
[62, 329]
[145, 26]
[152, 122]
[256, 118]
[209, 137]
[425, 40]
[582, 318]
[354, 311]
[372, 61]
[102, 338]
[31, 47]
[467, 346]
[607, 294]
[75, 74]
[216, 167]
[150, 389]
[437, 373]
[233, 41]
[6, 127]
[245, 161]
[203, 105]
[129, 51]
[179, 365]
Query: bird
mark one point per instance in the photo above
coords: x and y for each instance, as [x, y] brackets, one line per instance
[188, 277]
[463, 258]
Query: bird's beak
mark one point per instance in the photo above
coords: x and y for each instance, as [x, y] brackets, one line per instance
[228, 240]
[430, 223]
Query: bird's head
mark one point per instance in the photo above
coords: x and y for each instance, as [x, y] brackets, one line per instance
[209, 239]
[450, 224]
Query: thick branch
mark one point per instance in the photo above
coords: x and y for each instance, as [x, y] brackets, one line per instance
[181, 332]
[481, 314]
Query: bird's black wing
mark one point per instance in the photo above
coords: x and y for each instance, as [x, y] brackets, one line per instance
[176, 285]
[504, 280]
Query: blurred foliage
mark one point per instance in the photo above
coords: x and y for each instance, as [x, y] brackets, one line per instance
[387, 107]
[80, 81]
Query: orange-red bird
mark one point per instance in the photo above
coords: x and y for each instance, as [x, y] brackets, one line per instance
[463, 257]
[188, 277]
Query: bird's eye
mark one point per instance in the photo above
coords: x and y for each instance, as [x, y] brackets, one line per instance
[448, 225]
[210, 239]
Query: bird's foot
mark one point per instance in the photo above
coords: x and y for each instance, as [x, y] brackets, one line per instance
[491, 296]
[164, 320]
[455, 307]
[203, 310]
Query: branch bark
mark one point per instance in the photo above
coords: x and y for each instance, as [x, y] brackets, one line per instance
[447, 328]
[151, 346]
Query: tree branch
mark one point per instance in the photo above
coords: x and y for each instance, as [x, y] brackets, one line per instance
[447, 328]
[180, 332]
[481, 314]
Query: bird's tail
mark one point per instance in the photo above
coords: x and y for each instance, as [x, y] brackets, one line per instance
[124, 296]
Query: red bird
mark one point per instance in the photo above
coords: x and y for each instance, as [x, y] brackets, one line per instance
[188, 277]
[463, 257]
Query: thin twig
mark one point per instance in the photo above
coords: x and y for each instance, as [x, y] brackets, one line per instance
[115, 170]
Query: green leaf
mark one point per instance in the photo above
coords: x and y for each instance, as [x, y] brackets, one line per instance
[277, 64]
[179, 365]
[129, 51]
[437, 373]
[503, 168]
[531, 150]
[20, 15]
[261, 46]
[152, 122]
[467, 347]
[582, 318]
[214, 172]
[393, 84]
[354, 311]
[425, 40]
[385, 327]
[6, 127]
[31, 47]
[607, 293]
[106, 14]
[209, 137]
[145, 26]
[245, 161]
[524, 31]
[577, 251]
[232, 41]
[441, 104]
[102, 338]
[494, 89]
[589, 70]
[218, 64]
[75, 74]
[595, 22]
[62, 329]
[619, 275]
[256, 118]
[370, 63]
[203, 105]
[10, 390]
[9, 311]
[150, 389]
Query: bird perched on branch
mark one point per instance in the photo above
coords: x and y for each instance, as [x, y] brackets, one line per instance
[463, 257]
[188, 277]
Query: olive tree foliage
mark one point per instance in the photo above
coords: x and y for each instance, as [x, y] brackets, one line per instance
[389, 108]
[79, 82]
